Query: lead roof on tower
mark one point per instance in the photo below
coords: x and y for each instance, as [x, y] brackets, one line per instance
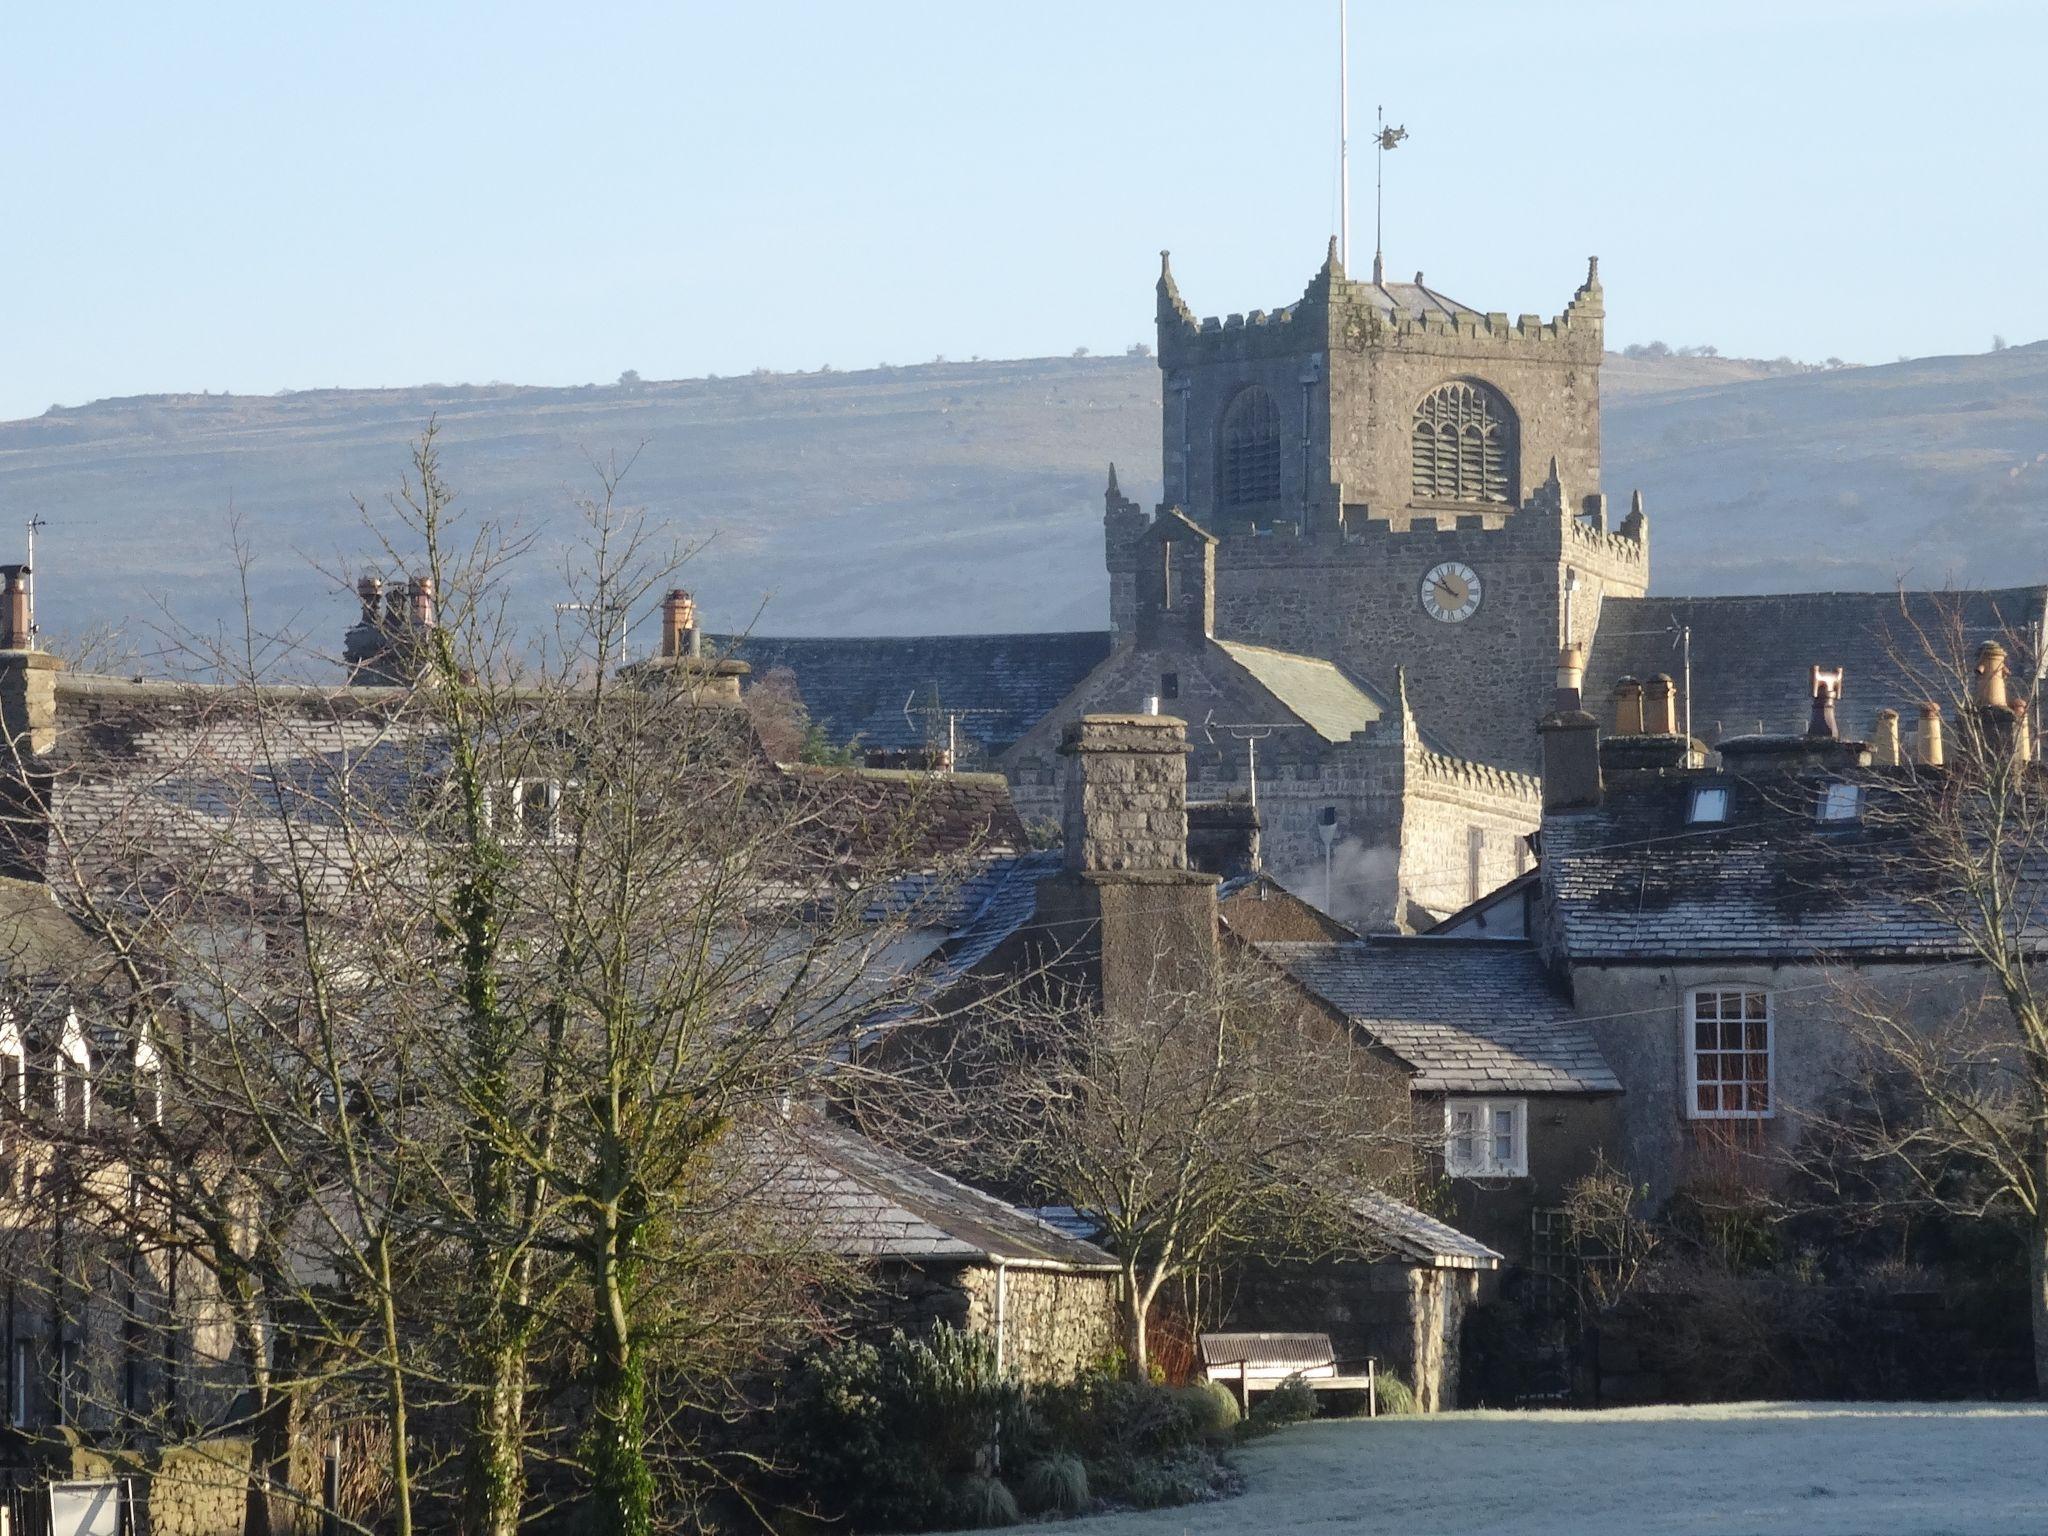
[1411, 301]
[1316, 692]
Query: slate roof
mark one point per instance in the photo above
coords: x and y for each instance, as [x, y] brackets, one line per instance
[971, 915]
[1412, 1235]
[856, 688]
[1317, 692]
[1632, 880]
[1411, 299]
[1467, 1016]
[873, 811]
[1421, 1238]
[858, 1199]
[1750, 654]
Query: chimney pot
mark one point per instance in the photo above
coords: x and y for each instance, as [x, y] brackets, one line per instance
[1628, 707]
[1884, 745]
[420, 602]
[1930, 752]
[20, 635]
[679, 633]
[1990, 679]
[1660, 706]
[1826, 683]
[1571, 679]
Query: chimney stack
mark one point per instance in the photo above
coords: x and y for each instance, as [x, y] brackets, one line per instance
[1628, 707]
[1884, 744]
[20, 635]
[1127, 794]
[1223, 837]
[1998, 726]
[370, 592]
[1571, 742]
[1930, 753]
[679, 633]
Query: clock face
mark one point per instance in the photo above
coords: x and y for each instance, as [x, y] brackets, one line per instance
[1451, 592]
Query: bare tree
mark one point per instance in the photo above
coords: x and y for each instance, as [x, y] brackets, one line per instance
[459, 988]
[1225, 1119]
[1948, 1106]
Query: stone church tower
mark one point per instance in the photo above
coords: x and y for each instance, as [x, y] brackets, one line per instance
[1396, 481]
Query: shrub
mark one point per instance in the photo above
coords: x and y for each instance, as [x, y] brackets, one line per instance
[980, 1501]
[1055, 1485]
[1184, 1476]
[1289, 1403]
[886, 1436]
[1214, 1407]
[1105, 1416]
[1394, 1396]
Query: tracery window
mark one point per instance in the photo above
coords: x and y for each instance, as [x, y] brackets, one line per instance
[1464, 445]
[1248, 470]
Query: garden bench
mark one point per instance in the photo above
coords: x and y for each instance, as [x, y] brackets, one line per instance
[1259, 1362]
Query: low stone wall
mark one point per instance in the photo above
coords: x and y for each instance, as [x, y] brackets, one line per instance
[197, 1490]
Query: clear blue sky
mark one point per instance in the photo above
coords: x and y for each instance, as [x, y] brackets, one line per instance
[249, 197]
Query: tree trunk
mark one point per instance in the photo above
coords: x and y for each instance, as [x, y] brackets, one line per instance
[1136, 1365]
[493, 1469]
[621, 1500]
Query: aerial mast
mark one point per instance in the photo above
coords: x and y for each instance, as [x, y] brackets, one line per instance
[1344, 134]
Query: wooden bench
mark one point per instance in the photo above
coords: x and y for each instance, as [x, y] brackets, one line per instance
[1259, 1362]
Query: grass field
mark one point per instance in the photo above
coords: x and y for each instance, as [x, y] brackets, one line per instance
[1749, 1469]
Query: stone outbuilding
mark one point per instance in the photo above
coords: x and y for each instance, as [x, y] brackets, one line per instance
[938, 1250]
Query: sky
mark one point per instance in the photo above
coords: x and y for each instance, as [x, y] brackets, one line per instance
[261, 197]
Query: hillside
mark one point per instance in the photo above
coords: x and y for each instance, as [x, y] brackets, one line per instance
[961, 497]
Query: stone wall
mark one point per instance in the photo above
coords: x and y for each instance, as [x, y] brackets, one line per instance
[1053, 1323]
[199, 1491]
[1636, 1014]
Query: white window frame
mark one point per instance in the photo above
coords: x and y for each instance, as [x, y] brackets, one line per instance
[1700, 794]
[1840, 802]
[1694, 1051]
[1470, 1153]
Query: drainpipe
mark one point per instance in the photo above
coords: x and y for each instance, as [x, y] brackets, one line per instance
[1002, 1313]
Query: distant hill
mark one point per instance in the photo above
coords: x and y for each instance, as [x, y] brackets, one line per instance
[965, 497]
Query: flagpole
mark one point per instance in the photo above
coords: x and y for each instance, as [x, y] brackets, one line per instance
[1344, 133]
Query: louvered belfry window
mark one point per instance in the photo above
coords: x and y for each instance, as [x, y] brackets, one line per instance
[1464, 445]
[1250, 450]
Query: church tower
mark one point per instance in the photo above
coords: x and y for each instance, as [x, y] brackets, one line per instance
[1396, 480]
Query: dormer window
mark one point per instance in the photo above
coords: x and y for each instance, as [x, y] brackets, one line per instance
[1841, 802]
[536, 809]
[1709, 804]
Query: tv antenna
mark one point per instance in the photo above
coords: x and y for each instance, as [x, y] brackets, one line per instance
[912, 709]
[36, 524]
[1251, 733]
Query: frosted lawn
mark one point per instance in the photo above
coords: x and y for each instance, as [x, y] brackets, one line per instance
[1746, 1469]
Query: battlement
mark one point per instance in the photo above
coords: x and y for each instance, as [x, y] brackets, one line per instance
[1477, 778]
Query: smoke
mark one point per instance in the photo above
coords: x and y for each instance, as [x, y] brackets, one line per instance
[1364, 883]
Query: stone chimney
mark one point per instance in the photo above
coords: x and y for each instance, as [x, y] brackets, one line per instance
[1928, 749]
[679, 633]
[28, 677]
[1820, 749]
[1223, 838]
[1884, 740]
[1628, 707]
[1126, 911]
[1571, 742]
[1127, 794]
[679, 661]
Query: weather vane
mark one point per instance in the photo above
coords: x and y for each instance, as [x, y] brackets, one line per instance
[1387, 138]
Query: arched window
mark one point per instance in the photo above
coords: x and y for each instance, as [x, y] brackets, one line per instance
[1464, 445]
[1248, 450]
